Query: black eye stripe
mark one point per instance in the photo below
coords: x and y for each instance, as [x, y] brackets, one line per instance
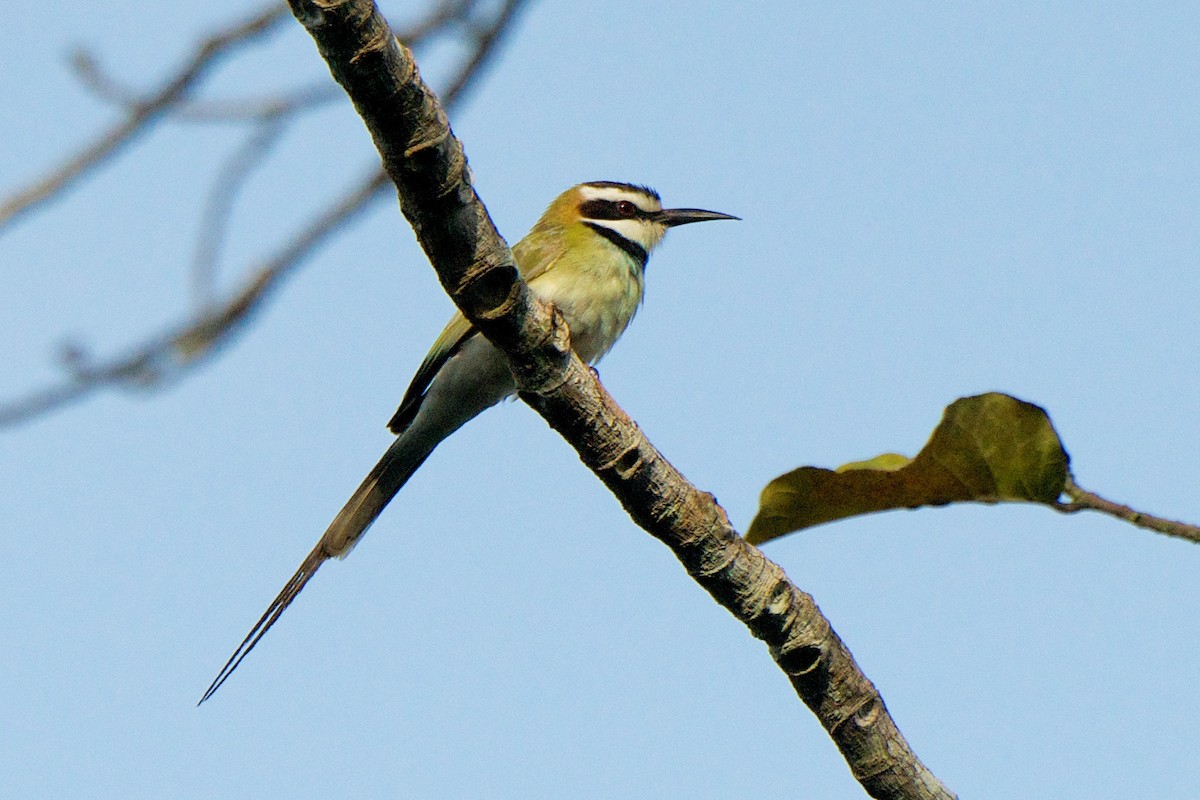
[608, 209]
[635, 250]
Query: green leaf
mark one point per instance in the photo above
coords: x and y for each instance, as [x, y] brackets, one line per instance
[888, 462]
[989, 448]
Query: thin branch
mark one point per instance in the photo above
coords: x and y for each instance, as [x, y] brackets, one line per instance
[253, 109]
[1083, 500]
[486, 39]
[171, 99]
[427, 164]
[140, 115]
[447, 12]
[107, 88]
[218, 209]
[168, 354]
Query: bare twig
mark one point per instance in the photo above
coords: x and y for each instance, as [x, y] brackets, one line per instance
[219, 207]
[167, 354]
[108, 89]
[427, 164]
[141, 111]
[486, 39]
[140, 114]
[253, 109]
[87, 67]
[1083, 500]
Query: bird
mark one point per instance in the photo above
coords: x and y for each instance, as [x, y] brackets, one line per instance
[586, 255]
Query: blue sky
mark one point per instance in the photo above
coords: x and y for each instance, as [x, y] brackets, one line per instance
[939, 199]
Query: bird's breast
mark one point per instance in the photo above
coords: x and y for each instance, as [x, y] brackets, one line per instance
[598, 300]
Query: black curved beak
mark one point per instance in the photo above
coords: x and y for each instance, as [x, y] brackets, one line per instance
[684, 216]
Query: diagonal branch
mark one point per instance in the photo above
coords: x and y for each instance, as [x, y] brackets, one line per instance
[165, 355]
[218, 210]
[109, 89]
[169, 353]
[172, 98]
[445, 14]
[140, 114]
[426, 162]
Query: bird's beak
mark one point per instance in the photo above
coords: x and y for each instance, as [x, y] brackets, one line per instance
[683, 216]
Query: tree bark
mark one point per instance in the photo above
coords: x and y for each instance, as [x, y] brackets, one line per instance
[474, 264]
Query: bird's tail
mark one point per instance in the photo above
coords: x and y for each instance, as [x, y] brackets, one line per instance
[383, 482]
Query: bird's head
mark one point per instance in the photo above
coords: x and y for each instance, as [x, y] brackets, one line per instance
[630, 217]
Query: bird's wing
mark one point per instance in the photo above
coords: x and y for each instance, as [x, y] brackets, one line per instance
[537, 252]
[453, 337]
[534, 255]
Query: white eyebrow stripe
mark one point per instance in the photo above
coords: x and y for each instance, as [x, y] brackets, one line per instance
[617, 193]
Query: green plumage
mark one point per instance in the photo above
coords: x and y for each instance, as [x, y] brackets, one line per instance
[586, 255]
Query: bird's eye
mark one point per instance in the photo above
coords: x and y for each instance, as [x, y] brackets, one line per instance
[626, 209]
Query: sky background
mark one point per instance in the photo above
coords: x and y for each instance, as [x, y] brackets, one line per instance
[939, 199]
